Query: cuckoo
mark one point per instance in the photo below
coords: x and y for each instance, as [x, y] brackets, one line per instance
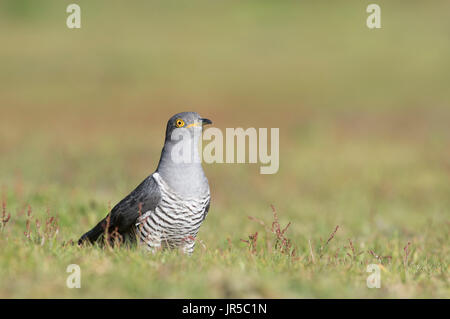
[167, 209]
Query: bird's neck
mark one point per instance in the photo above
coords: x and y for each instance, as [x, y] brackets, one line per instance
[180, 167]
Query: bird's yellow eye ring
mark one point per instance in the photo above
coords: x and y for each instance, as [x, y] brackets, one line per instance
[179, 123]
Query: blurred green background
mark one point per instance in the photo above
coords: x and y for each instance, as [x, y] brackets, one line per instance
[364, 118]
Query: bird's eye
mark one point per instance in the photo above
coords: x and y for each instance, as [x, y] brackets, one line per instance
[179, 123]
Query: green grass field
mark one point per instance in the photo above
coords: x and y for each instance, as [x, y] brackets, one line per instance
[364, 118]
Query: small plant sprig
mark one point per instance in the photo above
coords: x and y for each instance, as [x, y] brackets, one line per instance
[281, 240]
[51, 226]
[282, 243]
[353, 254]
[251, 242]
[406, 251]
[27, 232]
[380, 258]
[116, 238]
[330, 238]
[5, 216]
[41, 235]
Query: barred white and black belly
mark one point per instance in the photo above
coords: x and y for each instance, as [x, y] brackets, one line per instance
[175, 221]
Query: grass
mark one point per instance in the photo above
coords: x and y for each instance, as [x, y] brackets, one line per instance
[268, 263]
[364, 146]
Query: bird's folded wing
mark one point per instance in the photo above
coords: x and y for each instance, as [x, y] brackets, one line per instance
[124, 215]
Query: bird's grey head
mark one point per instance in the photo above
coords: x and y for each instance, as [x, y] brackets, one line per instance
[183, 133]
[185, 121]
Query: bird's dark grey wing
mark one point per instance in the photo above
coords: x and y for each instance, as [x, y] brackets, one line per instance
[124, 215]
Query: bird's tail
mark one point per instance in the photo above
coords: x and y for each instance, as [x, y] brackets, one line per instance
[92, 235]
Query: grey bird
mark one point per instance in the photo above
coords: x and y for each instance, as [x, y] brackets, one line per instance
[167, 209]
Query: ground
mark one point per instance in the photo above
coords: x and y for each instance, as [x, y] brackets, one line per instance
[364, 172]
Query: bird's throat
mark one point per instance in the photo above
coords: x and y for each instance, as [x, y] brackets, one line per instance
[182, 172]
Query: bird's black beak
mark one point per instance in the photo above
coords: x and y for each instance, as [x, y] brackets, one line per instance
[206, 121]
